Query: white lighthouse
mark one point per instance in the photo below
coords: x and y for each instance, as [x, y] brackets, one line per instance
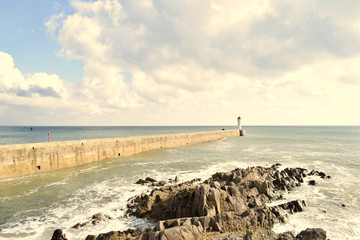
[239, 122]
[241, 131]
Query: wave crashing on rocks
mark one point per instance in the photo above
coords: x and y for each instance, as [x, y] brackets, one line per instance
[230, 205]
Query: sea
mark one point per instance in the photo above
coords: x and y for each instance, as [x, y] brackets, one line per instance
[32, 207]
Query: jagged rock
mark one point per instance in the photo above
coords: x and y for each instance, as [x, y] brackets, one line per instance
[294, 206]
[113, 235]
[320, 174]
[79, 225]
[312, 234]
[141, 181]
[90, 237]
[286, 236]
[149, 179]
[232, 202]
[96, 218]
[233, 191]
[158, 184]
[225, 222]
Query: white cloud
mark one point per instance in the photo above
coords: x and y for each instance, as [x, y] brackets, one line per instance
[54, 23]
[208, 57]
[10, 76]
[38, 89]
[79, 36]
[104, 86]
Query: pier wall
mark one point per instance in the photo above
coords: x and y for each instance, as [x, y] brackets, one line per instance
[25, 159]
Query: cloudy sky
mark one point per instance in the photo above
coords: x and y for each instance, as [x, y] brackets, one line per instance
[179, 62]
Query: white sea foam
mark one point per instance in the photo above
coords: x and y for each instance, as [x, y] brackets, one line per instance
[102, 198]
[322, 211]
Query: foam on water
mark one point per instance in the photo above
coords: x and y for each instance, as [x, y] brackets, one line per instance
[107, 197]
[325, 208]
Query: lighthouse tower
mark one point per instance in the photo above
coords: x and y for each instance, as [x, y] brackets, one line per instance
[239, 122]
[241, 131]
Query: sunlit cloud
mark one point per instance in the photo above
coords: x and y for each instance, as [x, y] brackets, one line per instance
[186, 56]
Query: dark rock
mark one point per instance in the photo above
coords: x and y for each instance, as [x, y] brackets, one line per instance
[141, 181]
[317, 173]
[90, 237]
[115, 235]
[343, 205]
[322, 175]
[312, 182]
[149, 179]
[162, 183]
[78, 225]
[96, 218]
[195, 180]
[294, 206]
[276, 165]
[312, 234]
[286, 236]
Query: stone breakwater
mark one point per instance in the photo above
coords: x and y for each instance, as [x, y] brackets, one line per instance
[229, 205]
[25, 159]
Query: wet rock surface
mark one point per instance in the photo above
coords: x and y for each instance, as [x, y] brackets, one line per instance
[230, 205]
[96, 218]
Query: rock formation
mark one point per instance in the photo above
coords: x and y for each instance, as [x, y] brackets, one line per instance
[229, 205]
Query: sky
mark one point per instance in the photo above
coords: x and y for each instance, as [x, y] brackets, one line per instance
[179, 62]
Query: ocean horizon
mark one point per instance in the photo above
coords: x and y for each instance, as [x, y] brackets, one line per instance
[37, 134]
[33, 206]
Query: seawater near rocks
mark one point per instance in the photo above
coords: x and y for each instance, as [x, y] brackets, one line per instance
[232, 204]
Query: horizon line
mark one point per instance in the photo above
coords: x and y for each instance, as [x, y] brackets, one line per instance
[250, 125]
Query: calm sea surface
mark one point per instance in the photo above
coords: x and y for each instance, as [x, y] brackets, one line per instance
[32, 207]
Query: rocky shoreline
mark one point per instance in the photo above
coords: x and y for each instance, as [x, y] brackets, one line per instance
[230, 205]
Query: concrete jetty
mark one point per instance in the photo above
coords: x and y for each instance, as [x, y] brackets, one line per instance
[25, 159]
